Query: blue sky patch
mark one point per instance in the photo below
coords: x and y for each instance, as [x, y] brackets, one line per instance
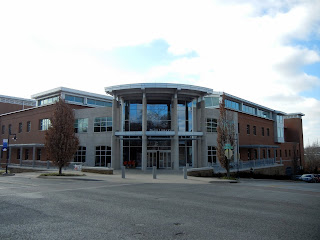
[142, 57]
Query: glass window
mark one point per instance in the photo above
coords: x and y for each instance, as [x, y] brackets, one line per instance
[102, 156]
[81, 125]
[20, 127]
[10, 128]
[159, 116]
[3, 129]
[48, 100]
[18, 154]
[211, 101]
[28, 126]
[232, 104]
[98, 103]
[185, 152]
[76, 99]
[262, 131]
[212, 125]
[249, 109]
[38, 154]
[212, 155]
[268, 132]
[248, 129]
[103, 124]
[254, 130]
[80, 155]
[44, 124]
[26, 154]
[133, 115]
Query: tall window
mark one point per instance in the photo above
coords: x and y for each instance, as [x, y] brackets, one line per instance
[38, 154]
[212, 155]
[10, 126]
[28, 126]
[80, 155]
[26, 154]
[103, 156]
[184, 116]
[262, 131]
[44, 124]
[103, 124]
[268, 132]
[212, 125]
[3, 129]
[264, 153]
[255, 154]
[18, 154]
[20, 127]
[133, 115]
[248, 129]
[254, 130]
[285, 153]
[81, 125]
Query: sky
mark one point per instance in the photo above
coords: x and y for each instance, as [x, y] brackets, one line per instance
[267, 52]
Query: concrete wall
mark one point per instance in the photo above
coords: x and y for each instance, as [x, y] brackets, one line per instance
[92, 139]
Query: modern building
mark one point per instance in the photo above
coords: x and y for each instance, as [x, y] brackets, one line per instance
[157, 124]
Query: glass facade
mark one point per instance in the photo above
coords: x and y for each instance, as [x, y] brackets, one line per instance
[132, 152]
[158, 116]
[184, 116]
[133, 115]
[185, 152]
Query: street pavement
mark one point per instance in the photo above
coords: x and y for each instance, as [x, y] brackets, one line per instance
[170, 207]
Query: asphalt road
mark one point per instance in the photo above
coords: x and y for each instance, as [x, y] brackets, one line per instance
[106, 208]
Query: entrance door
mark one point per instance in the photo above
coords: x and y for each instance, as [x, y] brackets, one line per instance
[159, 159]
[151, 158]
[164, 159]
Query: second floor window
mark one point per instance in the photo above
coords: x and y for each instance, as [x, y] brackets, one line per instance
[103, 124]
[248, 129]
[28, 126]
[81, 125]
[20, 127]
[44, 124]
[9, 128]
[3, 129]
[211, 125]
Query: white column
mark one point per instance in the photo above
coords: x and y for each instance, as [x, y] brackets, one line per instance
[174, 126]
[144, 129]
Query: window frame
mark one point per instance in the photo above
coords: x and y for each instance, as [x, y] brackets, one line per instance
[212, 124]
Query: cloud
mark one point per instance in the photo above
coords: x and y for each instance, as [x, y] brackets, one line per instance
[247, 48]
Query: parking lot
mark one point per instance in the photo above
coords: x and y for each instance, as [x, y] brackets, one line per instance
[169, 207]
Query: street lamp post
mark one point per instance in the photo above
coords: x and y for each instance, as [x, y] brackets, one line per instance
[14, 138]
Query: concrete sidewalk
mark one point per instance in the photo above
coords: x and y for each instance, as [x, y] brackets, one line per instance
[131, 176]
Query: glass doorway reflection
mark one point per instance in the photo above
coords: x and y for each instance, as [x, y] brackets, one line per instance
[159, 159]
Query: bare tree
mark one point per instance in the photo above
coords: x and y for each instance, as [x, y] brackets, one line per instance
[61, 142]
[312, 158]
[226, 134]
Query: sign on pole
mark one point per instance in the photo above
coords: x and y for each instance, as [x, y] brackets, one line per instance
[4, 145]
[228, 153]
